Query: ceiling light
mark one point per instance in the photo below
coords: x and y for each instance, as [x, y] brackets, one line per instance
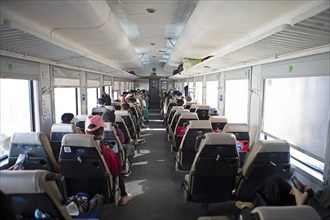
[151, 10]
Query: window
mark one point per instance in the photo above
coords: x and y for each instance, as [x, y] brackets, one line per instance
[236, 100]
[212, 94]
[296, 110]
[69, 105]
[199, 92]
[91, 99]
[16, 111]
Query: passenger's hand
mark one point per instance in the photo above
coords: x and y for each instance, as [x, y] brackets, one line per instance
[300, 197]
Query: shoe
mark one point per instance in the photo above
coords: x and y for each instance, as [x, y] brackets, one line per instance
[241, 205]
[127, 173]
[124, 200]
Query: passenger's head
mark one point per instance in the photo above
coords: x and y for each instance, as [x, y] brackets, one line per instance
[188, 98]
[125, 106]
[101, 101]
[109, 116]
[95, 125]
[213, 111]
[67, 117]
[179, 102]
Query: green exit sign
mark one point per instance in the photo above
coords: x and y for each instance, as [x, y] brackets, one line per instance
[290, 69]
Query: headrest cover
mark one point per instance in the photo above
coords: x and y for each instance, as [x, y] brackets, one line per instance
[32, 138]
[121, 112]
[63, 128]
[78, 140]
[202, 107]
[196, 124]
[220, 138]
[217, 118]
[235, 127]
[189, 115]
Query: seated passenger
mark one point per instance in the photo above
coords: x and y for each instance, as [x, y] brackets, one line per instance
[109, 116]
[94, 125]
[276, 191]
[68, 118]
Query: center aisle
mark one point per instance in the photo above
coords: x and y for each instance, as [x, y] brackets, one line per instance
[154, 184]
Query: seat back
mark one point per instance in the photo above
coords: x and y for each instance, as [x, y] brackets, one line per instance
[173, 122]
[128, 121]
[188, 104]
[193, 107]
[122, 126]
[56, 134]
[241, 131]
[36, 147]
[213, 172]
[171, 114]
[111, 139]
[187, 149]
[218, 123]
[180, 128]
[29, 190]
[81, 122]
[202, 112]
[98, 110]
[84, 167]
[266, 158]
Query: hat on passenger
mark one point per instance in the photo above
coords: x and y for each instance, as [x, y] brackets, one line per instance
[95, 120]
[67, 117]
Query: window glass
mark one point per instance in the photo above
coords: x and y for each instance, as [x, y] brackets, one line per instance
[199, 92]
[15, 110]
[296, 109]
[236, 100]
[91, 99]
[191, 90]
[65, 101]
[212, 94]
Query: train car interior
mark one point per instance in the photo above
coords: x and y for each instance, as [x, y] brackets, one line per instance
[154, 109]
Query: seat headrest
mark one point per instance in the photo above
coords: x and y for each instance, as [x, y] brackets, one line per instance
[175, 108]
[32, 138]
[263, 146]
[189, 115]
[217, 118]
[180, 111]
[81, 117]
[235, 127]
[78, 140]
[196, 124]
[304, 212]
[202, 107]
[63, 128]
[194, 105]
[121, 113]
[109, 126]
[22, 181]
[119, 118]
[220, 138]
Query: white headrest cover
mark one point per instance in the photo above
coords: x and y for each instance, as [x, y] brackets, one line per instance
[196, 124]
[235, 127]
[63, 128]
[78, 140]
[217, 118]
[21, 181]
[304, 212]
[180, 111]
[220, 138]
[32, 138]
[109, 126]
[121, 112]
[202, 107]
[189, 115]
[81, 117]
[194, 106]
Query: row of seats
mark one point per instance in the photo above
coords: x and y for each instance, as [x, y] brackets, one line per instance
[217, 157]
